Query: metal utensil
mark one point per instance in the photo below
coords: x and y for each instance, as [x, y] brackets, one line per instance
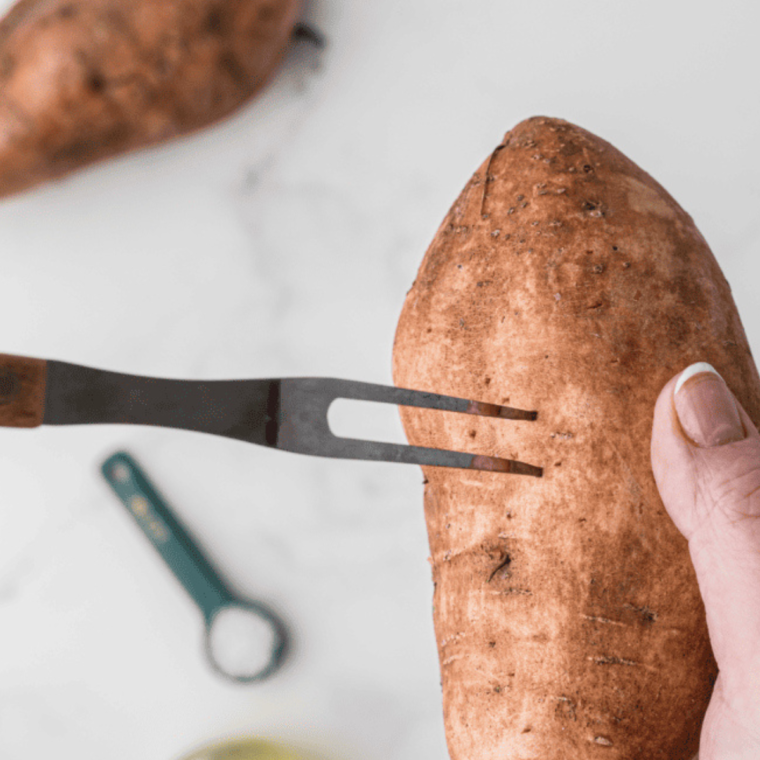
[245, 641]
[286, 413]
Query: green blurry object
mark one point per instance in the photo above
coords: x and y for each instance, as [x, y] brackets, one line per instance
[247, 749]
[246, 641]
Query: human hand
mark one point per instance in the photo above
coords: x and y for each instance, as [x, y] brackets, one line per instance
[706, 462]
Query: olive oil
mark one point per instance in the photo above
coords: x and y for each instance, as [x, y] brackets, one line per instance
[248, 749]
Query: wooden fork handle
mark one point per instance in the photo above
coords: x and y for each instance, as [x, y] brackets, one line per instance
[22, 391]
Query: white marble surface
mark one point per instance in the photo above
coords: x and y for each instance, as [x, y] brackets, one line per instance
[283, 243]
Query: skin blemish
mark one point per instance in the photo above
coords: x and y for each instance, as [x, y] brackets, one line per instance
[592, 208]
[612, 661]
[599, 619]
[214, 21]
[565, 708]
[96, 82]
[646, 614]
[502, 568]
[231, 65]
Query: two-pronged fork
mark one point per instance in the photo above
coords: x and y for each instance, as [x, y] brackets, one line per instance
[287, 413]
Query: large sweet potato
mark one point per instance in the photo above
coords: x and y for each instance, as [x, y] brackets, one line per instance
[84, 80]
[568, 618]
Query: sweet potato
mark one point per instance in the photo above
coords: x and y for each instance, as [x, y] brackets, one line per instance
[568, 618]
[84, 80]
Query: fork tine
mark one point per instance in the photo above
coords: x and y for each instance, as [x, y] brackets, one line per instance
[351, 448]
[406, 397]
[303, 426]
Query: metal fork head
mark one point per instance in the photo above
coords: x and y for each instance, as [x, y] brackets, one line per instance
[303, 426]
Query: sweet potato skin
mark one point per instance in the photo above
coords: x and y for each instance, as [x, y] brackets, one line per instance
[568, 619]
[85, 80]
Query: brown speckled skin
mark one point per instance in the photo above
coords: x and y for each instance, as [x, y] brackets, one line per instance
[568, 619]
[84, 80]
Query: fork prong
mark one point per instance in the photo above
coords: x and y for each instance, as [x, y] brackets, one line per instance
[351, 448]
[504, 412]
[303, 425]
[512, 466]
[407, 397]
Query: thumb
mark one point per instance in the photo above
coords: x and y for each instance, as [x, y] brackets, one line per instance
[706, 462]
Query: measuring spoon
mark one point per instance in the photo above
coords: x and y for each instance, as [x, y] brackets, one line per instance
[245, 641]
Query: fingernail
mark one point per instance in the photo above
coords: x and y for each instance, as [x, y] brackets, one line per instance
[706, 409]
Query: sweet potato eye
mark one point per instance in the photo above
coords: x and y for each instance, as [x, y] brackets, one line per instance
[214, 21]
[96, 82]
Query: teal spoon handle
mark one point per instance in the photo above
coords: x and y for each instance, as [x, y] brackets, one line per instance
[167, 534]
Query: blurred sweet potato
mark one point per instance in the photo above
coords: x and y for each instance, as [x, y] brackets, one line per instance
[85, 80]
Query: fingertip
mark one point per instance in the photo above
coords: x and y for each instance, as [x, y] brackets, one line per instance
[665, 425]
[682, 468]
[690, 371]
[672, 459]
